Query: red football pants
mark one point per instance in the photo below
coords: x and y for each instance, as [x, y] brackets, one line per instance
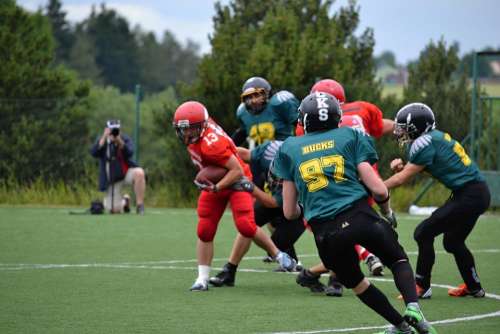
[211, 207]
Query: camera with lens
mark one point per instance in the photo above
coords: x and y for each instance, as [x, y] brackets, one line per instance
[114, 125]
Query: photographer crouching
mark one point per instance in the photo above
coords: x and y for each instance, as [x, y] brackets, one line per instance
[114, 151]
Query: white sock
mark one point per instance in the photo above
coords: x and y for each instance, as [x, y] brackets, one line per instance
[203, 273]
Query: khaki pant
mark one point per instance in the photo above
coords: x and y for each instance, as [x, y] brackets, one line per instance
[114, 193]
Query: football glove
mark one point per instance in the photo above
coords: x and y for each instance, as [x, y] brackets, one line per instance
[390, 218]
[206, 186]
[243, 184]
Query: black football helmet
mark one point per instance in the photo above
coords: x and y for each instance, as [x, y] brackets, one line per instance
[413, 120]
[255, 87]
[319, 111]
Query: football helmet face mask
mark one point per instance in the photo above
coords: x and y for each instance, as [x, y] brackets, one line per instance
[255, 93]
[319, 111]
[412, 121]
[331, 87]
[190, 120]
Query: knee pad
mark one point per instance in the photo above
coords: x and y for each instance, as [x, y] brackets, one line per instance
[246, 227]
[419, 234]
[206, 230]
[451, 245]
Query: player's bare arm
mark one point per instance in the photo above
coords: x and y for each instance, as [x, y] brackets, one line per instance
[266, 199]
[405, 175]
[387, 126]
[379, 191]
[244, 153]
[291, 208]
[235, 173]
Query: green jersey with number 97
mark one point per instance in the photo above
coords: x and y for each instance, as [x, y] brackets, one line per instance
[323, 166]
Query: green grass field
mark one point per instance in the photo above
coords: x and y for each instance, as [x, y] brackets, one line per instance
[62, 273]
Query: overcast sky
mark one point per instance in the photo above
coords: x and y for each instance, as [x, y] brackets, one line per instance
[404, 27]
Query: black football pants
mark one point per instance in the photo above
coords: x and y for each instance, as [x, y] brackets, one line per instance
[455, 220]
[286, 232]
[360, 224]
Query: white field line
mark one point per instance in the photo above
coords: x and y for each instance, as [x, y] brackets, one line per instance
[356, 329]
[20, 266]
[165, 265]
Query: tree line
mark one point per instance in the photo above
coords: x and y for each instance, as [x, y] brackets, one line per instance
[60, 82]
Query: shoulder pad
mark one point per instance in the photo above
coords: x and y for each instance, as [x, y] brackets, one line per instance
[271, 149]
[281, 97]
[241, 109]
[420, 143]
[361, 131]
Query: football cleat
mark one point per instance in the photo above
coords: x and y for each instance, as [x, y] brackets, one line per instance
[298, 268]
[285, 261]
[334, 287]
[422, 293]
[462, 291]
[268, 259]
[374, 265]
[307, 280]
[406, 329]
[224, 277]
[199, 286]
[415, 318]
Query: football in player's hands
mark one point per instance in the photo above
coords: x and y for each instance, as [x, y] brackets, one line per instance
[210, 174]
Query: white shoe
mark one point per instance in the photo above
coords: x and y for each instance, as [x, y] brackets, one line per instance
[375, 266]
[285, 261]
[199, 286]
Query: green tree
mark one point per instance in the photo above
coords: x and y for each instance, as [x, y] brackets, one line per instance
[115, 47]
[42, 108]
[484, 69]
[164, 64]
[433, 80]
[82, 58]
[292, 43]
[61, 30]
[386, 58]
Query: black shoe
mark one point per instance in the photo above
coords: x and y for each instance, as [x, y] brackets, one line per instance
[268, 259]
[308, 280]
[334, 287]
[225, 277]
[140, 209]
[126, 205]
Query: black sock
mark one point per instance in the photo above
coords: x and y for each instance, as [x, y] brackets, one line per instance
[377, 301]
[231, 267]
[405, 281]
[311, 274]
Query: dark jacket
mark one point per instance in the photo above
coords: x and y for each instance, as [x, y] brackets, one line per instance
[119, 161]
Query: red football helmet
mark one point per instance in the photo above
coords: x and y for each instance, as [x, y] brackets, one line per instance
[190, 119]
[331, 87]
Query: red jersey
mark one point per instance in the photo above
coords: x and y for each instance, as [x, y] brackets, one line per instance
[369, 113]
[215, 147]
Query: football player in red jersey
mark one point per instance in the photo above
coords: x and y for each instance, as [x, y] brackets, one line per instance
[367, 117]
[208, 145]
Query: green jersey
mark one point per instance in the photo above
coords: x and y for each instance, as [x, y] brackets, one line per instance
[275, 122]
[444, 158]
[323, 166]
[260, 162]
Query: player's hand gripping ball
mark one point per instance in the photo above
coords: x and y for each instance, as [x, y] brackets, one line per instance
[207, 177]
